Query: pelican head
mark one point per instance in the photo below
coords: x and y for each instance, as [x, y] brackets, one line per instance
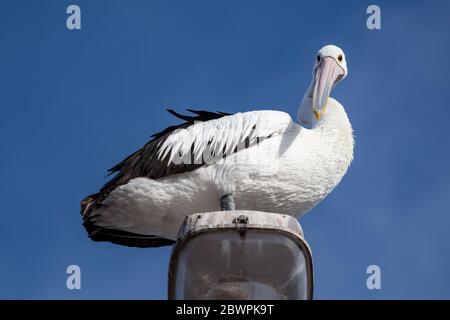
[330, 67]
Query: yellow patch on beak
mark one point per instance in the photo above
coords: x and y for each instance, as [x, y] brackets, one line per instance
[317, 114]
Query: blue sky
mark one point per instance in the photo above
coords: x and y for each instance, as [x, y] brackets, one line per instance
[74, 103]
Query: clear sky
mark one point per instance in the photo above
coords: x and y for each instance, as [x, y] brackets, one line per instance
[74, 103]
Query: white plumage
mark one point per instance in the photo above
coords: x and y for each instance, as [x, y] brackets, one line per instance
[272, 163]
[230, 132]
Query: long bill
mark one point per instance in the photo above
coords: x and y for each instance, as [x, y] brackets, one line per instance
[327, 73]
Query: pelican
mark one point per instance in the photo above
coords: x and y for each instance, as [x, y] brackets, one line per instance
[256, 160]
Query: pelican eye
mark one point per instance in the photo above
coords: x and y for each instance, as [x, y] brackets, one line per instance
[340, 58]
[318, 58]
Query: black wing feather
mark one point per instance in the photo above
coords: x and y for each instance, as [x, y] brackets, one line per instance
[142, 163]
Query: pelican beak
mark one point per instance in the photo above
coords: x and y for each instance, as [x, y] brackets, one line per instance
[327, 73]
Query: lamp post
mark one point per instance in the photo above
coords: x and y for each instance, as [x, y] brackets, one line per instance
[240, 254]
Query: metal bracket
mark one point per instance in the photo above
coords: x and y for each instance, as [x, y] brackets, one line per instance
[241, 220]
[241, 224]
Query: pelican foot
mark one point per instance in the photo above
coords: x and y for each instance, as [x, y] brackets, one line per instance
[227, 203]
